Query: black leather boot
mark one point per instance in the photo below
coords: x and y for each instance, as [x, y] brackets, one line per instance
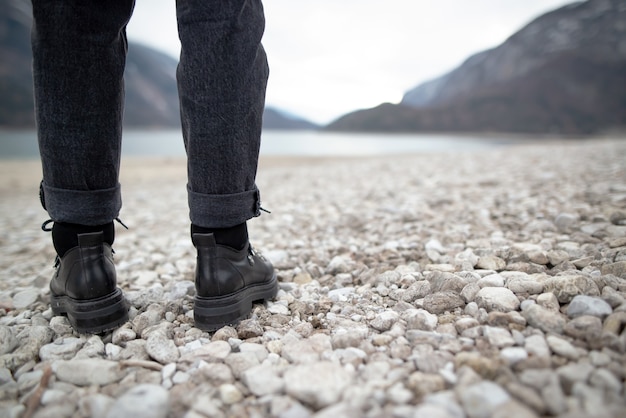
[228, 282]
[84, 287]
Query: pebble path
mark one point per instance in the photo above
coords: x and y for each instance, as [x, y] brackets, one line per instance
[473, 284]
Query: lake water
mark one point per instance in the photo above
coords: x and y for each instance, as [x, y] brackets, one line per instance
[146, 143]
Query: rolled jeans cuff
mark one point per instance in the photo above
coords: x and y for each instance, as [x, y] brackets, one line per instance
[84, 207]
[223, 210]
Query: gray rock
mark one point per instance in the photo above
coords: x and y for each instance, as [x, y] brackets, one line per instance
[30, 342]
[491, 280]
[8, 342]
[263, 380]
[616, 269]
[588, 305]
[240, 362]
[318, 384]
[482, 399]
[420, 319]
[141, 401]
[491, 262]
[524, 285]
[61, 326]
[249, 328]
[544, 319]
[93, 348]
[565, 222]
[87, 372]
[122, 335]
[61, 349]
[230, 394]
[438, 303]
[161, 348]
[497, 299]
[25, 298]
[605, 380]
[573, 373]
[513, 355]
[584, 327]
[563, 348]
[384, 321]
[95, 405]
[565, 288]
[498, 337]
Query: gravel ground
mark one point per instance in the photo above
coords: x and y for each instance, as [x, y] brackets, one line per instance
[476, 284]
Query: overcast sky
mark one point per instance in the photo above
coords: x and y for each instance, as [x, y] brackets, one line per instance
[330, 57]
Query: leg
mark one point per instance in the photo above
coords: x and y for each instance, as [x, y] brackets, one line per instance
[222, 76]
[79, 51]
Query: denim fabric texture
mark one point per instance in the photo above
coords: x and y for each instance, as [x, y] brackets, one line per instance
[79, 53]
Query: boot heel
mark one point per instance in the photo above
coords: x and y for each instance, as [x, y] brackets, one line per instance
[93, 316]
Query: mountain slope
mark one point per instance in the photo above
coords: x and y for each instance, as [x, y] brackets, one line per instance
[565, 72]
[150, 80]
[276, 119]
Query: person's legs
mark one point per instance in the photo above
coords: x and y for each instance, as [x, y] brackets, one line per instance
[79, 51]
[222, 76]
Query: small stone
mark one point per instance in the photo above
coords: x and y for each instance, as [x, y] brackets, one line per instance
[61, 349]
[565, 222]
[584, 327]
[588, 305]
[141, 401]
[605, 380]
[162, 349]
[263, 380]
[423, 384]
[87, 372]
[482, 399]
[122, 335]
[420, 319]
[544, 319]
[492, 280]
[524, 285]
[572, 373]
[548, 301]
[491, 262]
[562, 347]
[249, 328]
[61, 326]
[498, 337]
[537, 347]
[616, 269]
[25, 298]
[229, 394]
[513, 355]
[318, 385]
[240, 362]
[615, 323]
[566, 288]
[497, 299]
[225, 333]
[384, 321]
[8, 342]
[440, 302]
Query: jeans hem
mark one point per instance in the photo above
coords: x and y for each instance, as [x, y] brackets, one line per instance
[84, 207]
[223, 210]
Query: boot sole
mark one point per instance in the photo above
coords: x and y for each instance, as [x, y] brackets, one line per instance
[213, 313]
[93, 316]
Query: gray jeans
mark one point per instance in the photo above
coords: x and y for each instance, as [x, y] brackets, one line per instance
[79, 52]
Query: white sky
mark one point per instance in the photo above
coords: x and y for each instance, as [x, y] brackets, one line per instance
[330, 57]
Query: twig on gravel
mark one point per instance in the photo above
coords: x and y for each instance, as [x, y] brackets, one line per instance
[152, 365]
[33, 401]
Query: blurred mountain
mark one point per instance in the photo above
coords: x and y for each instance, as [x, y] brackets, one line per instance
[278, 119]
[150, 80]
[564, 72]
